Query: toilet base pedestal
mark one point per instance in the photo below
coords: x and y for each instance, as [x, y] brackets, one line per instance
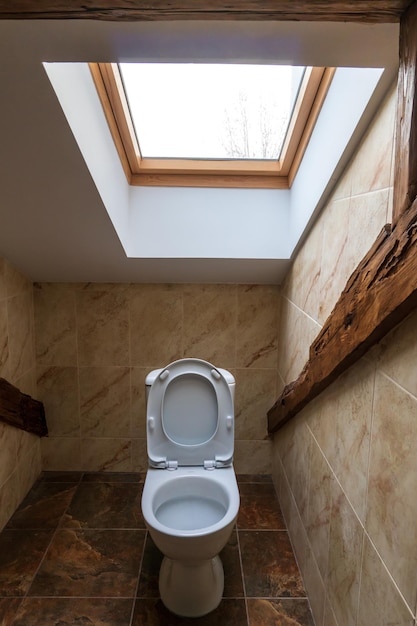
[191, 589]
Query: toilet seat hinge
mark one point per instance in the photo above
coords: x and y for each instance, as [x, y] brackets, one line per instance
[171, 465]
[210, 465]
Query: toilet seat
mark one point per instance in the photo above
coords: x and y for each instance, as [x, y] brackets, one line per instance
[190, 416]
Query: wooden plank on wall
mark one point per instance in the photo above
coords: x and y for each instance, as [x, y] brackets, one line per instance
[21, 410]
[383, 289]
[376, 11]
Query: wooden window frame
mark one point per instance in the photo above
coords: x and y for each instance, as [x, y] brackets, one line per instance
[267, 174]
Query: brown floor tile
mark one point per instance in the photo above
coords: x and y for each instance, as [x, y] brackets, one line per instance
[88, 563]
[72, 611]
[230, 557]
[269, 566]
[105, 505]
[8, 609]
[286, 612]
[259, 508]
[21, 551]
[152, 612]
[61, 477]
[44, 506]
[149, 573]
[114, 477]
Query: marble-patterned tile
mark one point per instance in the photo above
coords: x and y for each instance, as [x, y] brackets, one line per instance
[16, 282]
[3, 290]
[138, 401]
[114, 477]
[4, 341]
[153, 613]
[269, 566]
[368, 214]
[297, 332]
[60, 453]
[61, 477]
[90, 563]
[55, 325]
[342, 428]
[294, 612]
[59, 391]
[302, 283]
[8, 447]
[230, 558]
[210, 313]
[21, 552]
[392, 509]
[102, 327]
[319, 508]
[139, 451]
[253, 478]
[380, 601]
[8, 609]
[253, 456]
[29, 463]
[105, 401]
[59, 611]
[106, 454]
[345, 554]
[20, 327]
[255, 394]
[397, 354]
[259, 508]
[149, 572]
[371, 167]
[315, 587]
[9, 498]
[336, 261]
[156, 320]
[105, 505]
[44, 506]
[257, 326]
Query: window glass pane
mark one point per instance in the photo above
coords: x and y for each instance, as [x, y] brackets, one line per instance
[208, 111]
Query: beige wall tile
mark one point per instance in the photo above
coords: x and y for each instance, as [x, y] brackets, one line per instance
[138, 401]
[255, 394]
[4, 341]
[102, 327]
[368, 214]
[257, 326]
[9, 498]
[380, 601]
[106, 455]
[61, 453]
[252, 457]
[20, 327]
[8, 447]
[392, 507]
[58, 389]
[139, 455]
[397, 354]
[55, 325]
[210, 314]
[345, 555]
[105, 401]
[156, 321]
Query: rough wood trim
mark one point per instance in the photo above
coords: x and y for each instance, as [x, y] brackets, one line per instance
[382, 291]
[371, 11]
[406, 147]
[20, 410]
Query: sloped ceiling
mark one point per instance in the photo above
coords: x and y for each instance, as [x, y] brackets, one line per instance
[53, 225]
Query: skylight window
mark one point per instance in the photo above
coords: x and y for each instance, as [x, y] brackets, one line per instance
[208, 124]
[205, 111]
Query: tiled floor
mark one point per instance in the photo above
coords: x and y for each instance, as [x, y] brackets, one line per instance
[77, 553]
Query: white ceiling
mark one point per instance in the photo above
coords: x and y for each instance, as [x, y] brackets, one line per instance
[53, 225]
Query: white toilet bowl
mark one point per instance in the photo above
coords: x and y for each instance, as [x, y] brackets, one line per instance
[190, 498]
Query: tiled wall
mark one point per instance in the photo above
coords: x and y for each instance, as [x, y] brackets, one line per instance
[95, 343]
[346, 467]
[20, 459]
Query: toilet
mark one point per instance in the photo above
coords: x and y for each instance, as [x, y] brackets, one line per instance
[190, 498]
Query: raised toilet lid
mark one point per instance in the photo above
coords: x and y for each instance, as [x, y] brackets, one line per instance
[190, 418]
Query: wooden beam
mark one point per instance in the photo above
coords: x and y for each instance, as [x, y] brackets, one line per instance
[373, 11]
[406, 131]
[382, 290]
[20, 410]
